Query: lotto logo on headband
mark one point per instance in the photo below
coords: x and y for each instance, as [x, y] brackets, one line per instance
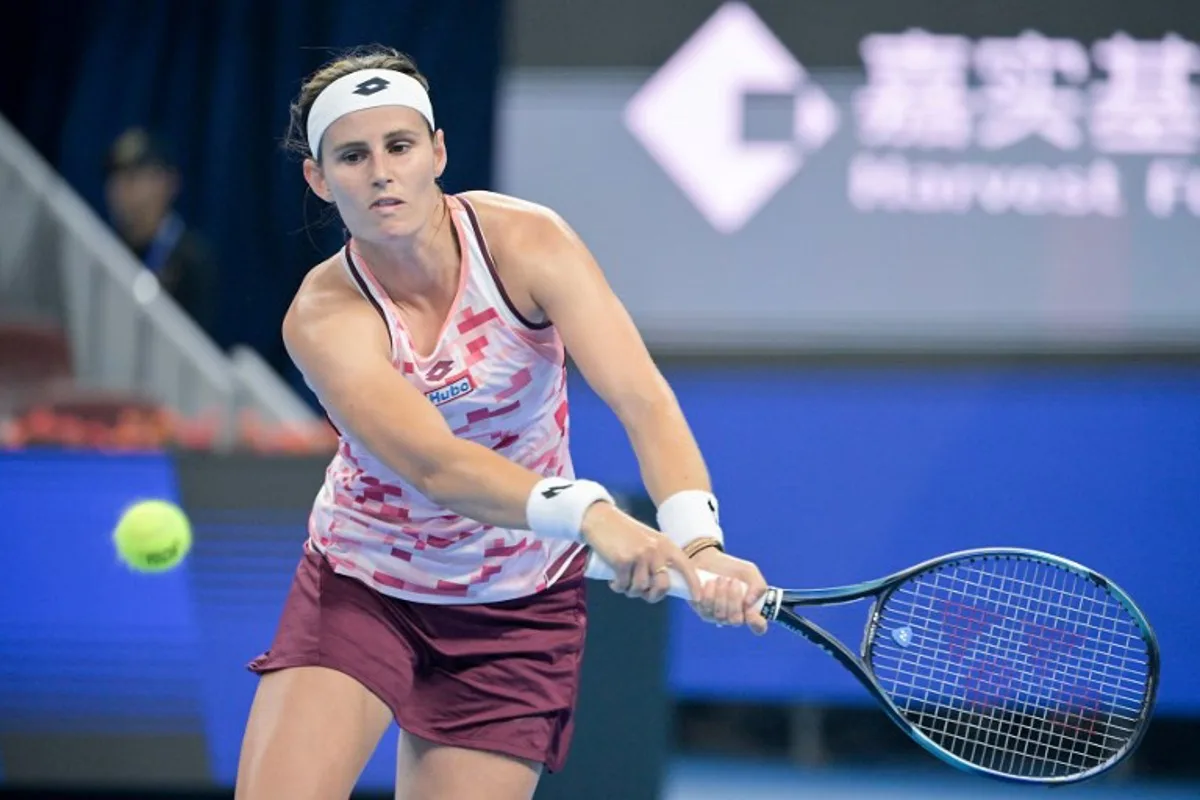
[370, 87]
[691, 114]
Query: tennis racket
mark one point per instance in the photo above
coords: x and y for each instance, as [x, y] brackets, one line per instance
[1010, 663]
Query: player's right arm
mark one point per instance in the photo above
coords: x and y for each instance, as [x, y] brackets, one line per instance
[339, 343]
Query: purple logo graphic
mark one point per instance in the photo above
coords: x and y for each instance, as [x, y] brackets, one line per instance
[689, 116]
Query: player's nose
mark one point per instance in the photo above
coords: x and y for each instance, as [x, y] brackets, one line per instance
[381, 172]
[381, 178]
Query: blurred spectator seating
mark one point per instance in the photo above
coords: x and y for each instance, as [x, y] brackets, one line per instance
[42, 404]
[35, 358]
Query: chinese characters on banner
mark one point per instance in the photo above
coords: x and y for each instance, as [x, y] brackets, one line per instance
[939, 95]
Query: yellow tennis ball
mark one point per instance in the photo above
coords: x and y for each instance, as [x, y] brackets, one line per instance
[153, 536]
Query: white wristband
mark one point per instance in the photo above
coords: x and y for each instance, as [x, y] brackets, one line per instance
[556, 507]
[690, 514]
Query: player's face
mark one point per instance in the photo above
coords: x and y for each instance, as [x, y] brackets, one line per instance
[379, 166]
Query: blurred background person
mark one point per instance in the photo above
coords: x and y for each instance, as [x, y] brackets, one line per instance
[141, 186]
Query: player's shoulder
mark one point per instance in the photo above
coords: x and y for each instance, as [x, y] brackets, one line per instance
[324, 282]
[324, 291]
[505, 206]
[515, 224]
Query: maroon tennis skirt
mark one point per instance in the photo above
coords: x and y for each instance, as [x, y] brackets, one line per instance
[502, 677]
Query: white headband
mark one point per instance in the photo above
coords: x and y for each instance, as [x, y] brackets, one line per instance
[367, 88]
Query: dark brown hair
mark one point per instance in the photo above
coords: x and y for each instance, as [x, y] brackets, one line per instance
[367, 57]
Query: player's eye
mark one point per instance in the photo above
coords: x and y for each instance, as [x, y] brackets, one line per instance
[352, 156]
[400, 147]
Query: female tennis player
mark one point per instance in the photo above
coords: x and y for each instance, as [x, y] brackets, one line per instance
[442, 582]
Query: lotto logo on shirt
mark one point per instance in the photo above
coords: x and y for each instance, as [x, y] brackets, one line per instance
[459, 387]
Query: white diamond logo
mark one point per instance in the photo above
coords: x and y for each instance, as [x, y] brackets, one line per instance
[689, 117]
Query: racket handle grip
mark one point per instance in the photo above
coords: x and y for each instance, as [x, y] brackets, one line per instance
[599, 570]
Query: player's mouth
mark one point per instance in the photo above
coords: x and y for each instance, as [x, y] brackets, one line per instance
[387, 202]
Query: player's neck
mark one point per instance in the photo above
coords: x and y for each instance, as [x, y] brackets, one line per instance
[422, 265]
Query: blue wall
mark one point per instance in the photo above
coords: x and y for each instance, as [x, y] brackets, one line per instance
[83, 639]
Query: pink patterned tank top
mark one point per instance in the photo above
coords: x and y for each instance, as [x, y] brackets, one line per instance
[498, 380]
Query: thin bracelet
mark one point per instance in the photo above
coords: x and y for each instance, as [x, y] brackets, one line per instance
[703, 543]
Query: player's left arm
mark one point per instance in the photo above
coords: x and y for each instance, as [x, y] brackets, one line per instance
[565, 281]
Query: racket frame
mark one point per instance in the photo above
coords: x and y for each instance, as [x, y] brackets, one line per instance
[778, 604]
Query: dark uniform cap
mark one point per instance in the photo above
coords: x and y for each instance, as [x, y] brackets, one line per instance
[135, 148]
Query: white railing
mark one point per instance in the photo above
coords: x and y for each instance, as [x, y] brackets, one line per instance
[58, 259]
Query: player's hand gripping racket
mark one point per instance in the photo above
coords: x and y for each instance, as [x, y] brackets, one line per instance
[1006, 662]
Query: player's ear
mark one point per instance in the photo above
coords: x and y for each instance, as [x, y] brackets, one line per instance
[439, 153]
[315, 177]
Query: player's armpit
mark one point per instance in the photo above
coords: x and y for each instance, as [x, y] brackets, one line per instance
[341, 346]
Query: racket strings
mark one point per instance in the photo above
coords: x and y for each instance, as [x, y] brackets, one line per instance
[1014, 665]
